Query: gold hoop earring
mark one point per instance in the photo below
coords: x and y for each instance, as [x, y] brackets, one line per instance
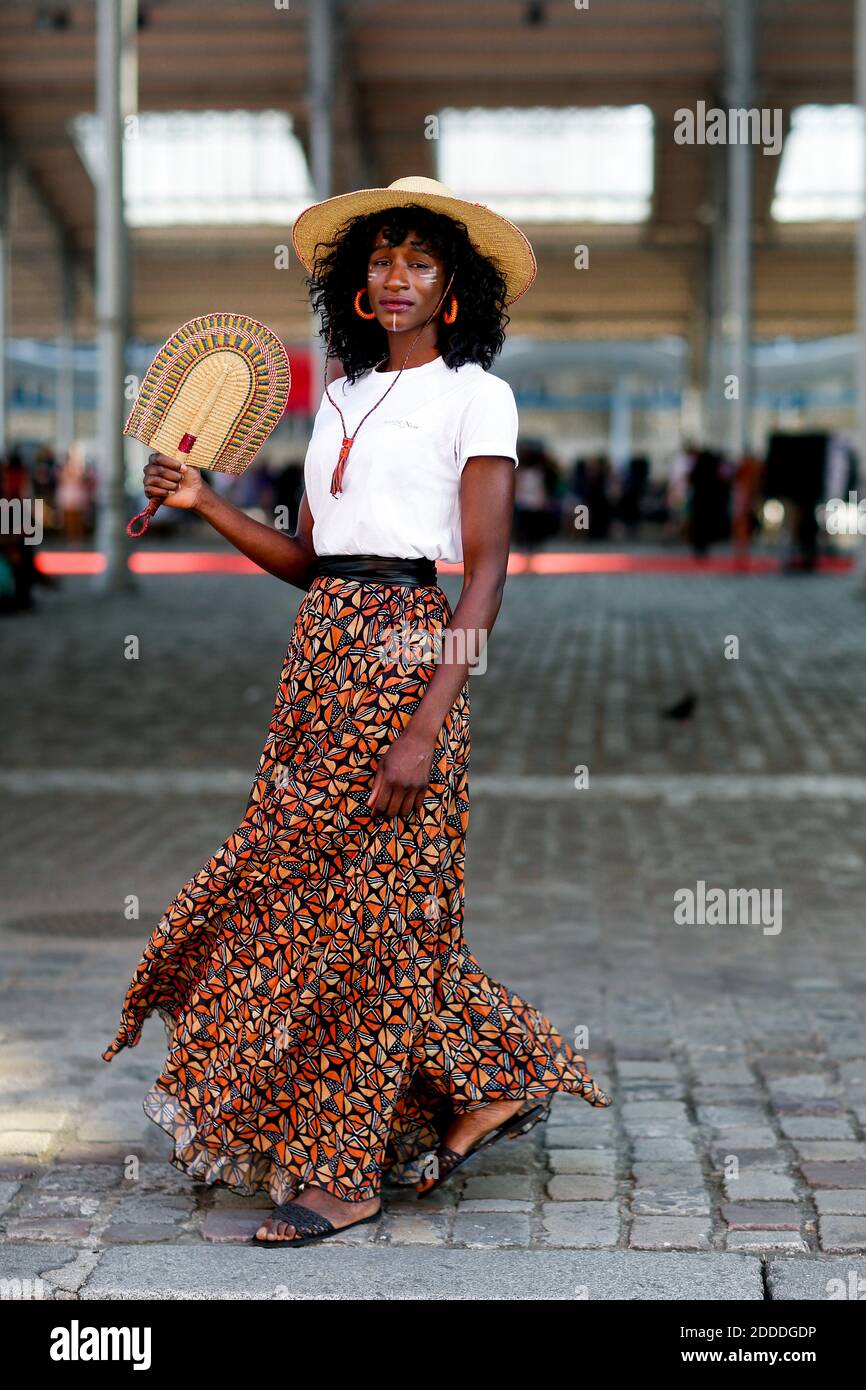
[359, 310]
[451, 315]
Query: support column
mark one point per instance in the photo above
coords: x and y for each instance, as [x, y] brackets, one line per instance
[860, 339]
[64, 398]
[714, 418]
[113, 23]
[320, 93]
[619, 426]
[692, 423]
[4, 294]
[739, 92]
[320, 100]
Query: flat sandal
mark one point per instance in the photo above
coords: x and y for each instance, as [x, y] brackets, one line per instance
[312, 1225]
[449, 1160]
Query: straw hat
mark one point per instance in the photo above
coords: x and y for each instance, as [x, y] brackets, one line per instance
[491, 234]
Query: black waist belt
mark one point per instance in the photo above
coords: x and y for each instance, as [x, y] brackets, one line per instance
[379, 569]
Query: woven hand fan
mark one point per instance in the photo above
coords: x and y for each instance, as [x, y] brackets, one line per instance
[211, 396]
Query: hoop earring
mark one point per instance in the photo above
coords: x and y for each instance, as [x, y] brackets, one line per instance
[451, 315]
[358, 309]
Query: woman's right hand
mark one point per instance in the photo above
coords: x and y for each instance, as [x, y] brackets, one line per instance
[172, 484]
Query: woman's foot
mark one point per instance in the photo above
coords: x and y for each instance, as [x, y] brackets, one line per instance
[339, 1213]
[467, 1130]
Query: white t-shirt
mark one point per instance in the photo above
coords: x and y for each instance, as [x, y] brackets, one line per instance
[401, 486]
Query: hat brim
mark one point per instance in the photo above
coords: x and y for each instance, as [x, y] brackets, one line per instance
[491, 234]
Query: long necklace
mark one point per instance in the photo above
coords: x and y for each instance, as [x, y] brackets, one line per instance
[348, 440]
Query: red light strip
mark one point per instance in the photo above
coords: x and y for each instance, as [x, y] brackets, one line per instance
[78, 562]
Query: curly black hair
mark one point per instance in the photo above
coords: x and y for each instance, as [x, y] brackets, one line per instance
[477, 333]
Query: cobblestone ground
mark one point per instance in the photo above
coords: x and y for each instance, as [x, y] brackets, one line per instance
[732, 1163]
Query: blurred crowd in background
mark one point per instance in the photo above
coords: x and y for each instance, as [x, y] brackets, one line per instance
[704, 500]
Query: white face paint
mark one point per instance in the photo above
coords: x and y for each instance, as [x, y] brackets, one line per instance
[429, 273]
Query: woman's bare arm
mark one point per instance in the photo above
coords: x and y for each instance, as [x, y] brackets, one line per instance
[290, 558]
[486, 510]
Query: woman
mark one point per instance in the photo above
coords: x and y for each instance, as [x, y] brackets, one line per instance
[72, 494]
[329, 1023]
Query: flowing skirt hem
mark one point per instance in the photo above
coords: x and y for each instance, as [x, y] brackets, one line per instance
[325, 1018]
[408, 1152]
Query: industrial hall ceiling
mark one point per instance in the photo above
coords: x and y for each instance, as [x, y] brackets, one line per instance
[394, 65]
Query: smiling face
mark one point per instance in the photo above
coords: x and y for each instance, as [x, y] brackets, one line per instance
[404, 282]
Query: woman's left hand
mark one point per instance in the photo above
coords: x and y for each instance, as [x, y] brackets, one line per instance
[402, 775]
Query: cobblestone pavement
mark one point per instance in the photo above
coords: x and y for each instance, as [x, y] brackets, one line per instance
[732, 1163]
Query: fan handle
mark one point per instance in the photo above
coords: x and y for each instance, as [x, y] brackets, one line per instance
[153, 506]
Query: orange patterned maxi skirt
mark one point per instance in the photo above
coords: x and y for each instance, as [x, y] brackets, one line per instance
[325, 1016]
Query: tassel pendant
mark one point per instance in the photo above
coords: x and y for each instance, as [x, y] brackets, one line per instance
[337, 478]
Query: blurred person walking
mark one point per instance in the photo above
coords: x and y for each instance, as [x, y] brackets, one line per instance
[630, 502]
[537, 508]
[591, 485]
[18, 573]
[744, 499]
[707, 504]
[73, 494]
[796, 470]
[677, 488]
[328, 1022]
[45, 483]
[289, 493]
